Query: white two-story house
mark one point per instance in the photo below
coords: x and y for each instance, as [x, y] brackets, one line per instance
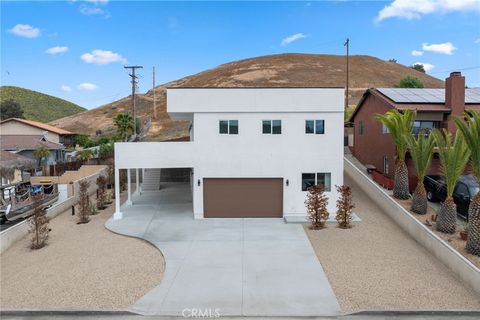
[253, 152]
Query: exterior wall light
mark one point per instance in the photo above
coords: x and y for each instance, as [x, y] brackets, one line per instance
[287, 182]
[198, 182]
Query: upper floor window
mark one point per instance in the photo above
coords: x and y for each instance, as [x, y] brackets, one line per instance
[361, 128]
[272, 126]
[315, 126]
[228, 126]
[321, 178]
[425, 126]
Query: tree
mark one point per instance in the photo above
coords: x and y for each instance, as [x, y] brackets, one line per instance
[124, 124]
[102, 193]
[470, 129]
[317, 207]
[105, 150]
[344, 207]
[83, 203]
[454, 155]
[418, 67]
[410, 82]
[399, 125]
[39, 228]
[85, 154]
[84, 141]
[41, 153]
[10, 109]
[421, 151]
[392, 60]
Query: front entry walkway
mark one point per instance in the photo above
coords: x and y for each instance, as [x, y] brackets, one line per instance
[230, 267]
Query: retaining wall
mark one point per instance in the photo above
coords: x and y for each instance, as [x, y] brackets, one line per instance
[458, 264]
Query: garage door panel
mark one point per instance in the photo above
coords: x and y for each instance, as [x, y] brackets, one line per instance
[243, 197]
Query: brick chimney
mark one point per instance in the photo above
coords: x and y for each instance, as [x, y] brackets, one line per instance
[455, 96]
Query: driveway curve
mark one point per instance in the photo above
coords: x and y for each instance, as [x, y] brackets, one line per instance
[229, 267]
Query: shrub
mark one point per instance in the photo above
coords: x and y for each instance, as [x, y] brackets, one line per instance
[102, 196]
[93, 209]
[410, 82]
[39, 228]
[83, 203]
[344, 207]
[317, 207]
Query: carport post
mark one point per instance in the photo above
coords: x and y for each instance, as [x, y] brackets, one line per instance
[118, 214]
[129, 187]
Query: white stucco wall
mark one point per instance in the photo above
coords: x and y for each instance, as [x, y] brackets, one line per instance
[251, 153]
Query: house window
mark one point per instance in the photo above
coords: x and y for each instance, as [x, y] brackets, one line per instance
[425, 126]
[315, 126]
[272, 126]
[385, 164]
[385, 129]
[228, 126]
[310, 179]
[361, 128]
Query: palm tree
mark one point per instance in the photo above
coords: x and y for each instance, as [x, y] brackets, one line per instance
[41, 153]
[124, 123]
[399, 125]
[85, 154]
[454, 155]
[470, 129]
[421, 151]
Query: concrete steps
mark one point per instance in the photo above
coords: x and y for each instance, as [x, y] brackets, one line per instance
[151, 180]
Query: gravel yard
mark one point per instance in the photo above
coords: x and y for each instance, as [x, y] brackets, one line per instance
[375, 265]
[82, 267]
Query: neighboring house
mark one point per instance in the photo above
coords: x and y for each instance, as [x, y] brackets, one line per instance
[253, 152]
[12, 166]
[16, 126]
[25, 145]
[372, 143]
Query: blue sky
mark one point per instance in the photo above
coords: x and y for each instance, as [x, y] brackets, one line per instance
[76, 49]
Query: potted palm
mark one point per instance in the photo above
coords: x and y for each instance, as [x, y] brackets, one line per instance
[421, 151]
[454, 155]
[399, 125]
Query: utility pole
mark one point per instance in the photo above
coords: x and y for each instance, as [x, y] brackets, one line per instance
[347, 44]
[154, 100]
[134, 87]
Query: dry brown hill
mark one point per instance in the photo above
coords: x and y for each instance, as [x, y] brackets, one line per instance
[283, 70]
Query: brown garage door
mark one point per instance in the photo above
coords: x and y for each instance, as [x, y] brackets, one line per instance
[243, 197]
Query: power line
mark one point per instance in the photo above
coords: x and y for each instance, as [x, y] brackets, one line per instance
[134, 87]
[460, 69]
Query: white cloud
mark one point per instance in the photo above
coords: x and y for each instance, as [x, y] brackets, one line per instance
[417, 53]
[87, 86]
[293, 38]
[88, 11]
[56, 50]
[25, 30]
[100, 2]
[65, 88]
[414, 9]
[445, 48]
[100, 57]
[426, 66]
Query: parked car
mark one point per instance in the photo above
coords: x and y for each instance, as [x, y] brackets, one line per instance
[467, 187]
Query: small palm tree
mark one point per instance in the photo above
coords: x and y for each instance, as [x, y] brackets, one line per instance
[470, 129]
[421, 151]
[41, 153]
[85, 154]
[399, 125]
[454, 155]
[124, 123]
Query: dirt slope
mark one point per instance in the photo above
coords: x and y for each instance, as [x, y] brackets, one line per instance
[283, 70]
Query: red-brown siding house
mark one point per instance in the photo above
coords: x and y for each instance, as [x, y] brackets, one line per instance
[373, 144]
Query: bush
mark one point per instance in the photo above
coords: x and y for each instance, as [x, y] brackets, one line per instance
[84, 141]
[39, 228]
[102, 196]
[418, 67]
[410, 82]
[10, 109]
[84, 203]
[344, 207]
[317, 207]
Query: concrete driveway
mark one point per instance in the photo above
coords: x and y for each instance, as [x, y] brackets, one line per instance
[233, 267]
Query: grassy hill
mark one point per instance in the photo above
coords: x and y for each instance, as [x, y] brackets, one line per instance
[283, 70]
[39, 106]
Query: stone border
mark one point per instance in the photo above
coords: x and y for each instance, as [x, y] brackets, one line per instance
[458, 264]
[11, 235]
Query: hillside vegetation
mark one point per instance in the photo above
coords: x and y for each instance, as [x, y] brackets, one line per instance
[283, 70]
[39, 106]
